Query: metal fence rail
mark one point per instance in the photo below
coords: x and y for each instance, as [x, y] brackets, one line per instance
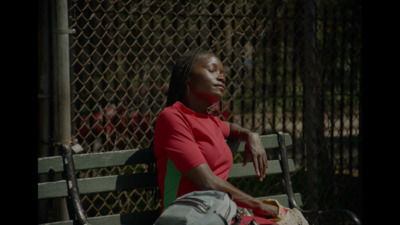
[122, 55]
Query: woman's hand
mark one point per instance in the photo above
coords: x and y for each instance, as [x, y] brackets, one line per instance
[255, 149]
[265, 209]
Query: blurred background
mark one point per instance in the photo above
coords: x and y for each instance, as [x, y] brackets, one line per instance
[292, 66]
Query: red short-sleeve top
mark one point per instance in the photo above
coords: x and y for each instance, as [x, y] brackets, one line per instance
[184, 139]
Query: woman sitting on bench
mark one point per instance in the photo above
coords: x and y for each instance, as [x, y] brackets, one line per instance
[189, 142]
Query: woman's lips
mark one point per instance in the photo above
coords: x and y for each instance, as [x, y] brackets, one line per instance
[222, 86]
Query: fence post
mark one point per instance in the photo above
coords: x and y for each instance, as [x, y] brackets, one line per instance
[313, 117]
[61, 82]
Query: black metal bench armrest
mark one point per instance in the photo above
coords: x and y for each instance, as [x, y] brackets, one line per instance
[289, 190]
[348, 214]
[73, 191]
[285, 171]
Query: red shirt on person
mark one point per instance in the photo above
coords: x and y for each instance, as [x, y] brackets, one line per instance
[184, 139]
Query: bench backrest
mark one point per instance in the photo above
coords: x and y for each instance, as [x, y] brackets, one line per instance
[59, 189]
[97, 184]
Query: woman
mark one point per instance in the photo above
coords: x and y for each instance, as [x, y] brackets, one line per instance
[189, 143]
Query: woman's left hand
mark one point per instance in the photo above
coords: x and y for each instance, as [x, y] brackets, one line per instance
[255, 149]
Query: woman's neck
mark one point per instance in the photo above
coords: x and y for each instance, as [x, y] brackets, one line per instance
[198, 106]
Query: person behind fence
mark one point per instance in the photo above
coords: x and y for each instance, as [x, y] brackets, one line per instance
[189, 142]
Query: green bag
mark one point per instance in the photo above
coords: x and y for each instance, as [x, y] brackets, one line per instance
[199, 208]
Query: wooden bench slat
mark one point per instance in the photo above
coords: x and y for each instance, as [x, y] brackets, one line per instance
[116, 182]
[56, 189]
[146, 217]
[67, 222]
[274, 167]
[96, 160]
[268, 141]
[91, 185]
[45, 164]
[131, 156]
[111, 183]
[130, 181]
[113, 158]
[140, 217]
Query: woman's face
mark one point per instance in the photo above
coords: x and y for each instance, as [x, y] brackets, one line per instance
[207, 79]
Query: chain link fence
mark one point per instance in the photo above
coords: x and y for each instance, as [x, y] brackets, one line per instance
[121, 59]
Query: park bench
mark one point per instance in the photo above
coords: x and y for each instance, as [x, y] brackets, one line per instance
[71, 187]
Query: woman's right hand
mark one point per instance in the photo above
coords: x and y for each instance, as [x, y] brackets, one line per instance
[265, 209]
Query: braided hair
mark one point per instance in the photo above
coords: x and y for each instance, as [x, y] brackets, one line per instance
[180, 75]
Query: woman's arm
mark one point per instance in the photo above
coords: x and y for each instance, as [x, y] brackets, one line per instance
[253, 147]
[203, 177]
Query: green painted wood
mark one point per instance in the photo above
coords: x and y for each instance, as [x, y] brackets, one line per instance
[68, 222]
[132, 181]
[57, 189]
[46, 164]
[91, 185]
[268, 141]
[113, 158]
[97, 160]
[116, 182]
[146, 217]
[131, 156]
[274, 167]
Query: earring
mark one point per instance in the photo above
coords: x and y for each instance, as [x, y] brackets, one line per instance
[187, 90]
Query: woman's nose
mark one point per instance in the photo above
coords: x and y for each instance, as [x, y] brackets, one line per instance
[221, 77]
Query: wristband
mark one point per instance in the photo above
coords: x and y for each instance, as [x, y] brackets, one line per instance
[281, 210]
